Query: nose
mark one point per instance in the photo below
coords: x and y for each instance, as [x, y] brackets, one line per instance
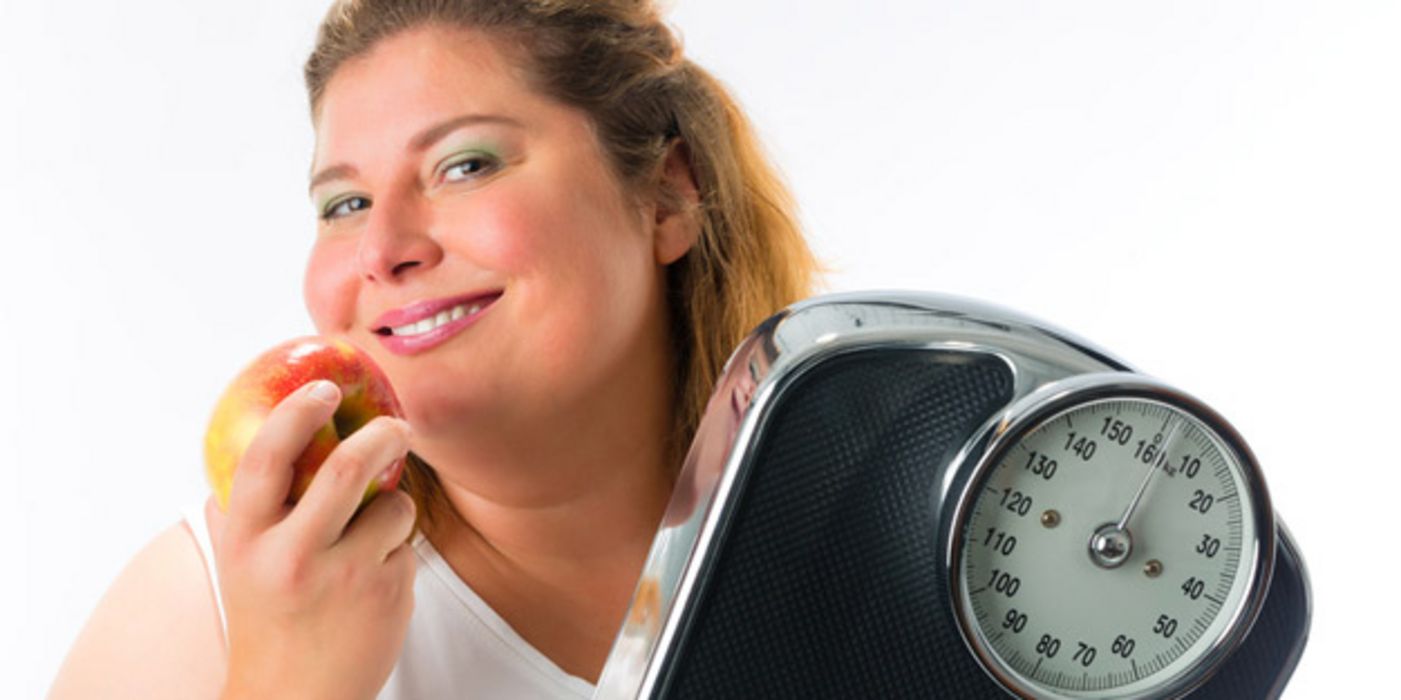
[396, 239]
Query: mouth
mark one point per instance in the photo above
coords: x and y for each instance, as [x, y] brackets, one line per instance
[419, 326]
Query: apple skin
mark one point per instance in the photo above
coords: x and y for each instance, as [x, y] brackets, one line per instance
[281, 370]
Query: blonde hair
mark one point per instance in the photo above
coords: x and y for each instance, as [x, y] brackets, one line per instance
[617, 61]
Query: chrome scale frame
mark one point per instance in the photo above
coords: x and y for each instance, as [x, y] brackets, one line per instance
[781, 349]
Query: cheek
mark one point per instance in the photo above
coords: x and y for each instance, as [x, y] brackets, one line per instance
[591, 273]
[514, 231]
[560, 234]
[328, 287]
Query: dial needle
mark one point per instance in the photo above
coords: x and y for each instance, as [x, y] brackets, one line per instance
[1143, 487]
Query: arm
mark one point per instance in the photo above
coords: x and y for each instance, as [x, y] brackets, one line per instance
[318, 595]
[155, 633]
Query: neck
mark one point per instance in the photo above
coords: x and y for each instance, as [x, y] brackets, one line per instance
[554, 537]
[557, 498]
[595, 516]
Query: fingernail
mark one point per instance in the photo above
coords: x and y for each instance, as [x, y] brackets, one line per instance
[325, 391]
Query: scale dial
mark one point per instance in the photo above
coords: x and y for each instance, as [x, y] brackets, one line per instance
[1116, 542]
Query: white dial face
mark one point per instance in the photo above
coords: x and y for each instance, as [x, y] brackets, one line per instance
[1108, 552]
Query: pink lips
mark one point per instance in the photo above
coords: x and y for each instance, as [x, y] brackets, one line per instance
[413, 313]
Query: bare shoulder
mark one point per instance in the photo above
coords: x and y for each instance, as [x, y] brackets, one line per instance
[154, 634]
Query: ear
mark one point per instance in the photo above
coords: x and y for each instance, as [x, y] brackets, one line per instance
[677, 223]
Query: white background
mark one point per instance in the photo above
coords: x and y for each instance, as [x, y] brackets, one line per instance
[1208, 190]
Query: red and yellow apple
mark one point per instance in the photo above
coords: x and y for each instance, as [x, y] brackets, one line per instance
[245, 404]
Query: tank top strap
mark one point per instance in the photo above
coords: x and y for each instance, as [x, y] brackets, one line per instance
[194, 516]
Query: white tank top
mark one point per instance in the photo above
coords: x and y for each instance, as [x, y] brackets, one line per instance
[457, 646]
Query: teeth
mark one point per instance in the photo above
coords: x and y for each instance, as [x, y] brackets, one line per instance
[441, 318]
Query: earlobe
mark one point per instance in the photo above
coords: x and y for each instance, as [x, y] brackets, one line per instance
[677, 224]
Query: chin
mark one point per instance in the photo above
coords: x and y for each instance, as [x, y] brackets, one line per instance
[436, 406]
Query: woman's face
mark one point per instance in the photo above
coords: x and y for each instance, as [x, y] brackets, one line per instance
[473, 238]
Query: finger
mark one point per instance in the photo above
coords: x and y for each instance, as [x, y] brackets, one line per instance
[403, 561]
[339, 485]
[402, 566]
[264, 475]
[381, 527]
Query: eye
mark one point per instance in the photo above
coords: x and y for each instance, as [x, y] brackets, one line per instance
[344, 207]
[466, 167]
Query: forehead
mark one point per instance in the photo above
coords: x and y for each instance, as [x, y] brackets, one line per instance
[420, 76]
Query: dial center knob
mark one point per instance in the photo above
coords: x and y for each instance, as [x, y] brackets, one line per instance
[1110, 546]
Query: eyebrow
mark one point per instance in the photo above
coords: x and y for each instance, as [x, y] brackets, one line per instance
[421, 141]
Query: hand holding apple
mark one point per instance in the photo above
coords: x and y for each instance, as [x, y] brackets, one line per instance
[271, 377]
[318, 594]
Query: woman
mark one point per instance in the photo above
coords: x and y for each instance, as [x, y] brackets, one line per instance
[586, 225]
